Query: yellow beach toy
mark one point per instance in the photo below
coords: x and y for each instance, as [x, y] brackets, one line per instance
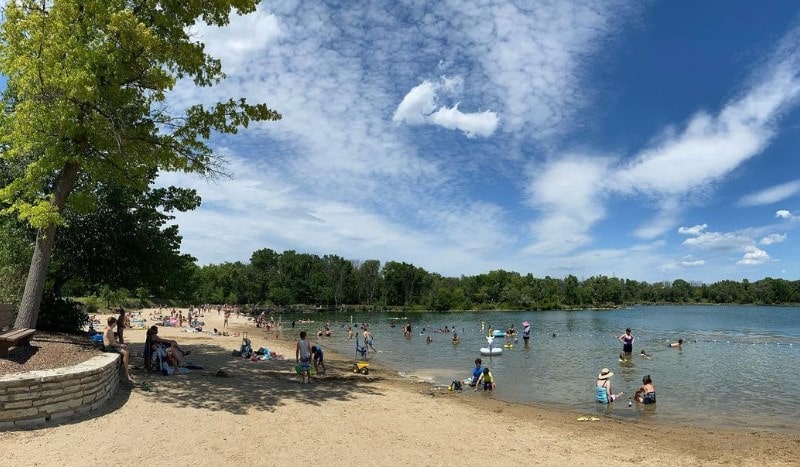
[361, 367]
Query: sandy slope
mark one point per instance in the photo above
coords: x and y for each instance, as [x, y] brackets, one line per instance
[262, 415]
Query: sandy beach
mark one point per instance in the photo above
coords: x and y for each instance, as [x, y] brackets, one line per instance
[260, 414]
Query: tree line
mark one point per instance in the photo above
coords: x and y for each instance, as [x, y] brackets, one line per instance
[330, 281]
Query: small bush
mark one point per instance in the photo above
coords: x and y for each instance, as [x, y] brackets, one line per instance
[57, 314]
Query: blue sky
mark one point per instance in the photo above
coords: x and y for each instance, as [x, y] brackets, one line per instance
[644, 140]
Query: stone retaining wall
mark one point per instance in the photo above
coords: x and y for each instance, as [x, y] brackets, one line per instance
[37, 397]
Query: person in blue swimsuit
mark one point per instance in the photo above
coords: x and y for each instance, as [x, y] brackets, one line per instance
[627, 342]
[603, 392]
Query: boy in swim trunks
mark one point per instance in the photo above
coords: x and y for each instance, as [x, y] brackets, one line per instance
[110, 345]
[303, 357]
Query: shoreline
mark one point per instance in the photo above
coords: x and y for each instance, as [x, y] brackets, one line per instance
[262, 415]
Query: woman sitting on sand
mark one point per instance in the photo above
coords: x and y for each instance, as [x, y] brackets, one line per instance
[153, 339]
[603, 392]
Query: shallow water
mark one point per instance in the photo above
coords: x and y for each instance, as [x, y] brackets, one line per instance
[738, 365]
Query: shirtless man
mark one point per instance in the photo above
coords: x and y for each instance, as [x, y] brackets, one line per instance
[110, 345]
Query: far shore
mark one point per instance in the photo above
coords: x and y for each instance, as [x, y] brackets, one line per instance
[257, 413]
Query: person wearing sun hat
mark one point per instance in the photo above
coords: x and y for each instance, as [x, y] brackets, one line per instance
[603, 392]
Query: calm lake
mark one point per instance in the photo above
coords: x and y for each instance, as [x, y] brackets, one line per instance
[738, 365]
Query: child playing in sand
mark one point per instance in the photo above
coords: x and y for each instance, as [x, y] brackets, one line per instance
[110, 345]
[316, 352]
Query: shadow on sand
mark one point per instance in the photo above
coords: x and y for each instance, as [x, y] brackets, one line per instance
[262, 385]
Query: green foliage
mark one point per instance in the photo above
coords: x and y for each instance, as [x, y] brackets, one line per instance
[61, 315]
[92, 303]
[290, 278]
[123, 241]
[15, 254]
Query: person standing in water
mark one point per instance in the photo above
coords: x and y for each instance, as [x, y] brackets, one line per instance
[526, 332]
[627, 343]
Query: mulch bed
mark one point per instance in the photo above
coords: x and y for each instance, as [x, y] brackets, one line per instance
[48, 351]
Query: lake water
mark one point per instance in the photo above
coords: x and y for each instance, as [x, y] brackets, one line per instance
[738, 365]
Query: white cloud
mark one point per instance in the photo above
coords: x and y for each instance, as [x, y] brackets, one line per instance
[719, 241]
[569, 195]
[772, 238]
[754, 256]
[689, 261]
[419, 106]
[338, 174]
[237, 44]
[783, 214]
[695, 230]
[771, 195]
[472, 124]
[684, 163]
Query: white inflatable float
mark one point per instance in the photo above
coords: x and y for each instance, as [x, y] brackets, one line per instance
[491, 349]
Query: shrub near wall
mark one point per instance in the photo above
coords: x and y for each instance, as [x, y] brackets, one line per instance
[37, 397]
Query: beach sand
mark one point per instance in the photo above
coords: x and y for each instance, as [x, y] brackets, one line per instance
[262, 415]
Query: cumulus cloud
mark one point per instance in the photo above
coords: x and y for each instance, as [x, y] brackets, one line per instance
[771, 195]
[753, 256]
[472, 124]
[783, 214]
[419, 106]
[719, 241]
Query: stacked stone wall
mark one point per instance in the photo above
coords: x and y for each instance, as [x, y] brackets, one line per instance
[38, 397]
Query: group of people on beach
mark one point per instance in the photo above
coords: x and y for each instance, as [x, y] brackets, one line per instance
[114, 342]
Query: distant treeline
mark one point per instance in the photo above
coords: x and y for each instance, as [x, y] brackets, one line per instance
[287, 278]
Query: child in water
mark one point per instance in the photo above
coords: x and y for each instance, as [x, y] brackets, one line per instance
[486, 379]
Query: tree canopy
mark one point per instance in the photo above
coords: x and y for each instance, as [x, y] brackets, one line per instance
[85, 99]
[300, 278]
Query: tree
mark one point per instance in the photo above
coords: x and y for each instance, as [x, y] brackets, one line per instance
[85, 97]
[121, 241]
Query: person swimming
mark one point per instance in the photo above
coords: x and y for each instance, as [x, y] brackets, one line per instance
[676, 344]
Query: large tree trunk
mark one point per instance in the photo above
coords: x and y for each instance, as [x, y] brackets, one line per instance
[42, 252]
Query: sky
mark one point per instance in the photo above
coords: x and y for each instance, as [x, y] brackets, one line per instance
[648, 140]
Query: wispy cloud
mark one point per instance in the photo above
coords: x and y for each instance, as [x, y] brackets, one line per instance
[771, 195]
[440, 133]
[772, 238]
[679, 163]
